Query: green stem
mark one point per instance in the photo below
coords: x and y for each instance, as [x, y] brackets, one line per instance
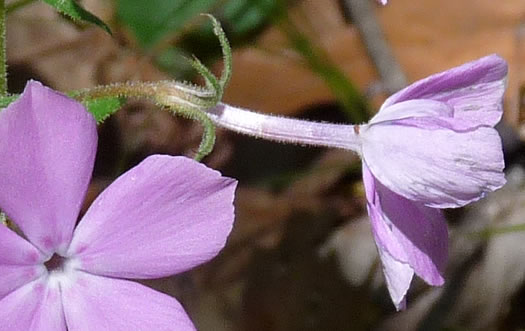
[491, 231]
[181, 98]
[17, 5]
[3, 58]
[354, 104]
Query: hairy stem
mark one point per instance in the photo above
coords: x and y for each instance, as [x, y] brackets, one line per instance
[285, 129]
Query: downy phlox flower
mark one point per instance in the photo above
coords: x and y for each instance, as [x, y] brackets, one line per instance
[164, 216]
[432, 145]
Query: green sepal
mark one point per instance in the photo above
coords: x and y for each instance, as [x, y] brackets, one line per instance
[73, 10]
[103, 108]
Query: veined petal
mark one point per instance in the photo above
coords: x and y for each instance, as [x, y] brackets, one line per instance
[47, 144]
[165, 216]
[101, 303]
[412, 109]
[398, 276]
[33, 307]
[409, 232]
[474, 89]
[440, 168]
[19, 261]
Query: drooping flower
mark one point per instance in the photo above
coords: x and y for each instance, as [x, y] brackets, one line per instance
[164, 216]
[431, 146]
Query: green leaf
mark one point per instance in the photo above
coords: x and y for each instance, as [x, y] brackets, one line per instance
[152, 20]
[101, 108]
[246, 17]
[6, 100]
[104, 107]
[76, 12]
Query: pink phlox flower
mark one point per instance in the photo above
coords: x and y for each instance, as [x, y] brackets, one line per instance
[164, 216]
[431, 146]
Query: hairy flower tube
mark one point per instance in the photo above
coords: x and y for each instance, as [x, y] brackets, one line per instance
[164, 216]
[431, 146]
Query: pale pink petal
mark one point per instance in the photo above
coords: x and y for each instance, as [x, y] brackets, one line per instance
[412, 109]
[20, 262]
[440, 168]
[33, 307]
[474, 90]
[165, 216]
[398, 276]
[101, 303]
[426, 114]
[47, 144]
[410, 232]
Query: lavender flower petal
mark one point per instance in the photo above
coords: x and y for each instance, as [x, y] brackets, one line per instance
[411, 232]
[165, 216]
[102, 303]
[47, 148]
[438, 167]
[408, 233]
[398, 276]
[34, 306]
[18, 261]
[474, 90]
[411, 109]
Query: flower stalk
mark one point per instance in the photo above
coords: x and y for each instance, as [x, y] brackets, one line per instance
[285, 129]
[181, 98]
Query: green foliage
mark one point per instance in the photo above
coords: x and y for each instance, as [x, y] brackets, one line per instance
[354, 104]
[156, 19]
[104, 107]
[101, 108]
[246, 17]
[152, 20]
[6, 100]
[73, 10]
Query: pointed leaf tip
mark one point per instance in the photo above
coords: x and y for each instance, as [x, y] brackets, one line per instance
[73, 10]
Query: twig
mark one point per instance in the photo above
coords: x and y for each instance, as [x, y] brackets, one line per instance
[363, 16]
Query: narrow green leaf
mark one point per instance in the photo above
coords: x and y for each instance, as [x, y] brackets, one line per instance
[72, 9]
[244, 18]
[153, 20]
[104, 107]
[354, 104]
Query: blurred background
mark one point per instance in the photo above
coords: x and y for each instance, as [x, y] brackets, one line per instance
[301, 255]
